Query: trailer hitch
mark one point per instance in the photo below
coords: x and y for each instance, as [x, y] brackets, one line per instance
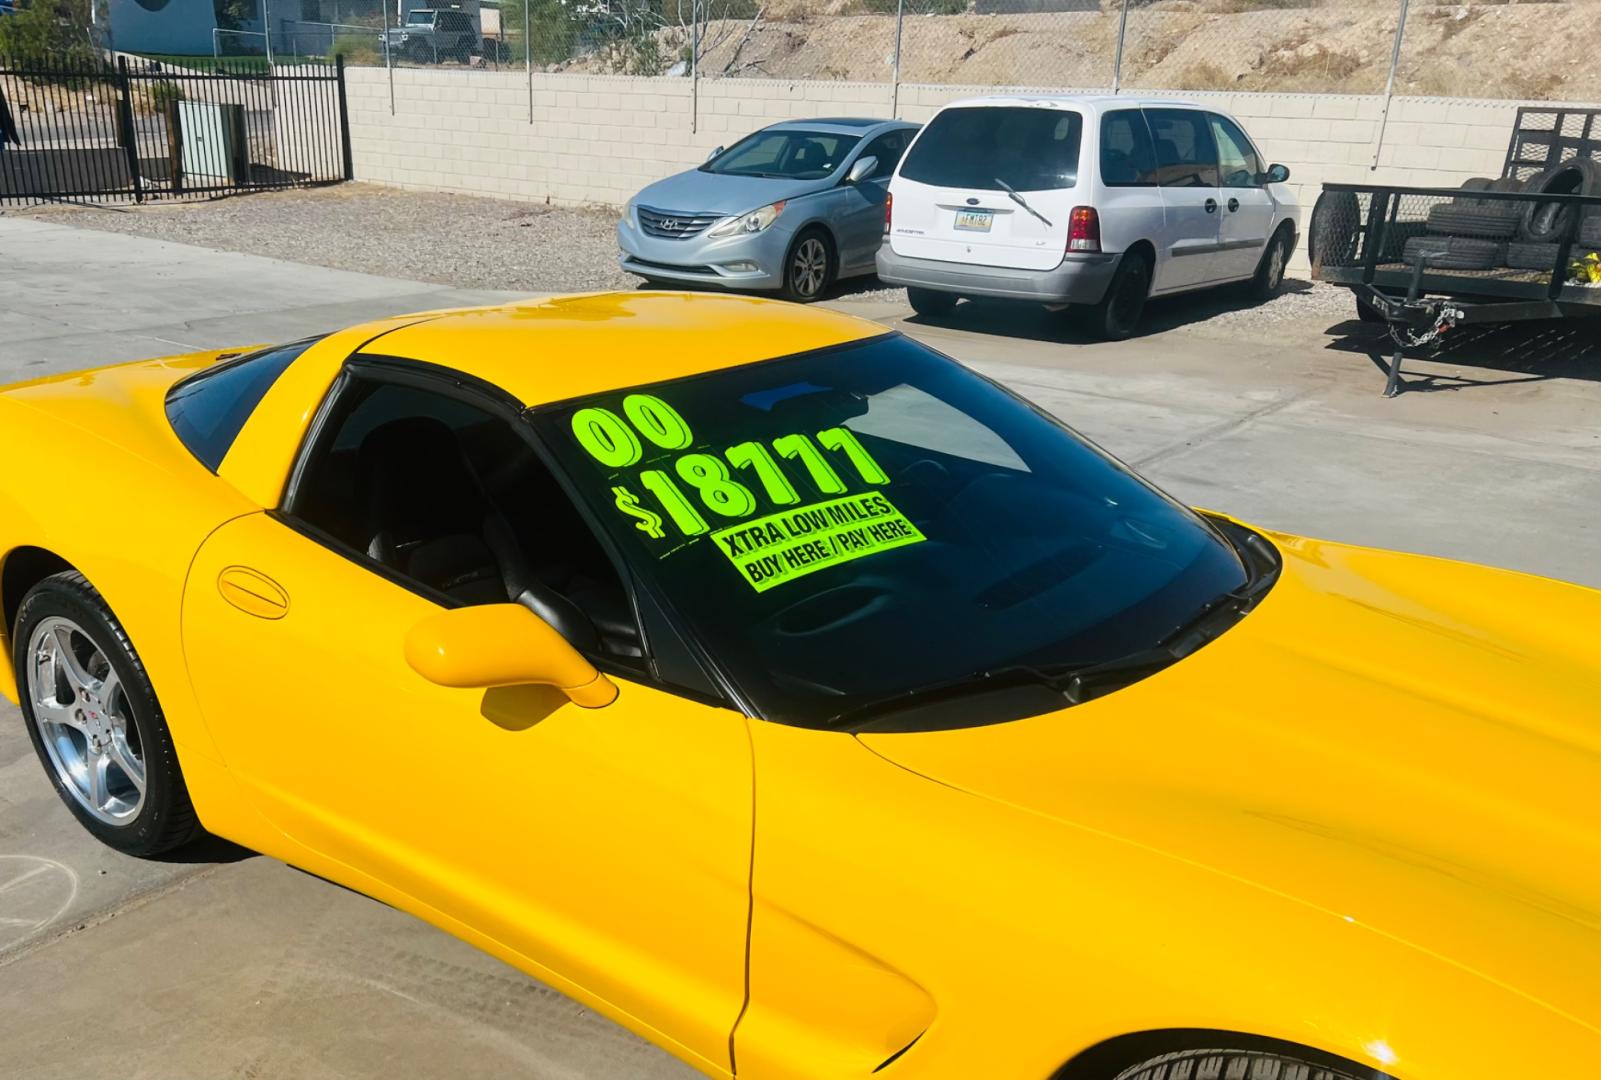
[1413, 322]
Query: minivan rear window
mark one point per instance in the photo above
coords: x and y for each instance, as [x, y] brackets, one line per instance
[993, 148]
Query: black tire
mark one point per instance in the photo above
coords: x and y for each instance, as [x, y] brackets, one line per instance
[930, 303]
[1478, 183]
[1117, 316]
[1520, 256]
[165, 818]
[1332, 235]
[1547, 223]
[1454, 253]
[805, 284]
[1269, 279]
[1590, 232]
[1394, 236]
[1486, 221]
[1232, 1063]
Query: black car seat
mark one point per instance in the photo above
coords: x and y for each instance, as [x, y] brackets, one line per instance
[429, 519]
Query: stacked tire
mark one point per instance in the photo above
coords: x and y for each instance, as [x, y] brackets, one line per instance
[1470, 233]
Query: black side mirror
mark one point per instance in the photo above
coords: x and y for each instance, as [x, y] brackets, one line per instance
[1277, 174]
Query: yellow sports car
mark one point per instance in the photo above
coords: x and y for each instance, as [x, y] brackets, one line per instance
[810, 704]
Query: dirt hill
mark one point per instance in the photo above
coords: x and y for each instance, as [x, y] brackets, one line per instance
[1509, 50]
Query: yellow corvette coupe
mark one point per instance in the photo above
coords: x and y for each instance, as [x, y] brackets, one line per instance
[810, 704]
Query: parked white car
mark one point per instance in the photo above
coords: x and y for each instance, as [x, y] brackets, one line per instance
[1092, 202]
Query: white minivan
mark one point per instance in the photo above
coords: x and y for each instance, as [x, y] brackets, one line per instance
[1091, 202]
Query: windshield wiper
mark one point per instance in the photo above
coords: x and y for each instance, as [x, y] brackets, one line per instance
[1078, 683]
[1011, 193]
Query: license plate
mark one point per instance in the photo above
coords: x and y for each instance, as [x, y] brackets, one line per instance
[974, 220]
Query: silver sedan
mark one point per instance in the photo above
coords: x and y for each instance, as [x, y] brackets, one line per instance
[792, 208]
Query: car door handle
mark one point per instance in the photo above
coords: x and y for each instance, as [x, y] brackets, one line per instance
[1211, 206]
[1234, 205]
[253, 593]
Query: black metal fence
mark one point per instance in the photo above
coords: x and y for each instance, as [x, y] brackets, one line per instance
[134, 129]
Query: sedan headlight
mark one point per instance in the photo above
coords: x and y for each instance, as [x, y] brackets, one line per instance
[628, 215]
[753, 222]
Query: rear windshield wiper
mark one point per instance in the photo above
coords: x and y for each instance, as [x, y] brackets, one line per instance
[1011, 193]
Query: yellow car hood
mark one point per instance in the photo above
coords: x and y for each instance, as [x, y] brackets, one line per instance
[1409, 743]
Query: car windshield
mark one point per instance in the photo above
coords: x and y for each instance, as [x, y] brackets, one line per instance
[792, 155]
[420, 18]
[844, 526]
[991, 149]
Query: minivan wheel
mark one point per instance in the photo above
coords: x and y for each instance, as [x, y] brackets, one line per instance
[1269, 277]
[809, 267]
[930, 302]
[1117, 316]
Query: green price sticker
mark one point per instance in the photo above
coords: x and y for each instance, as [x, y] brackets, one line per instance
[680, 497]
[779, 548]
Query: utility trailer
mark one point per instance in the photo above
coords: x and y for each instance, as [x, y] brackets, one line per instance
[1426, 260]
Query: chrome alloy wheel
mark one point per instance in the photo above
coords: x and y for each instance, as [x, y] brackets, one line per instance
[85, 721]
[809, 267]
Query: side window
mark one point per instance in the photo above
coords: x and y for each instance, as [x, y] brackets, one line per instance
[1238, 160]
[209, 409]
[1186, 155]
[888, 148]
[451, 499]
[1127, 157]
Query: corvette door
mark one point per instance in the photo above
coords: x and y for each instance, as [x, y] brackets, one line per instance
[610, 847]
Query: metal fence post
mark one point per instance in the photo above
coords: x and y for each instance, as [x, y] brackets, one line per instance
[1389, 85]
[694, 66]
[389, 65]
[130, 134]
[528, 56]
[266, 24]
[895, 75]
[1117, 62]
[344, 118]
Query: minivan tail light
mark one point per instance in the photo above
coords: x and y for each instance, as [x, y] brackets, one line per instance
[1084, 229]
[889, 211]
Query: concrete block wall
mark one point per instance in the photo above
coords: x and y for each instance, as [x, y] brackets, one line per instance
[598, 140]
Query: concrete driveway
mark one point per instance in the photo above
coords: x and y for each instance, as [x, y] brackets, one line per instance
[225, 964]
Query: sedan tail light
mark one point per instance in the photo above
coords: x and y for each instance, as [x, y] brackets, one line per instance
[889, 211]
[1084, 229]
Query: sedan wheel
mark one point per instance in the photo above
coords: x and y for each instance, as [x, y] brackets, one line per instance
[810, 268]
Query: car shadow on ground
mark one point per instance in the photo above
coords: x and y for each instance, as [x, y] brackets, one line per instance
[1503, 355]
[208, 849]
[1027, 319]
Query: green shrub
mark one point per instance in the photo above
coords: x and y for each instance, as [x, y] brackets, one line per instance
[357, 49]
[162, 94]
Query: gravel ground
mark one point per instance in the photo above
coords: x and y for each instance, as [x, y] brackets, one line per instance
[471, 242]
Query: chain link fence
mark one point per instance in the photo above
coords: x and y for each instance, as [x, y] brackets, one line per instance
[1533, 50]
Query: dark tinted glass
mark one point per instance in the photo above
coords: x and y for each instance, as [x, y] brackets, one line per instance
[1186, 156]
[794, 155]
[209, 409]
[454, 499]
[989, 149]
[859, 523]
[887, 148]
[1127, 158]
